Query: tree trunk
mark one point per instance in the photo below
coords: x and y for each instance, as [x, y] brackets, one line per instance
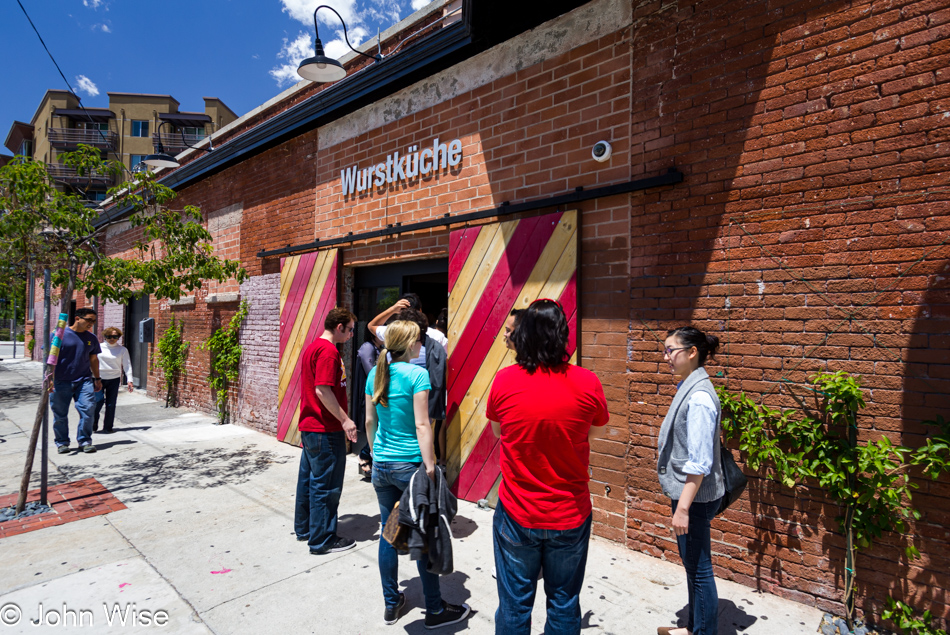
[44, 403]
[849, 572]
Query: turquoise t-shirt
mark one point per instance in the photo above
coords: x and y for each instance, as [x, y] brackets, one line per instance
[396, 431]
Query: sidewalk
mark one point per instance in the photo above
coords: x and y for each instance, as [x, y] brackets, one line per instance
[207, 536]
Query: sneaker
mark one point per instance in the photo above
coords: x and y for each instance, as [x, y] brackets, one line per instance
[62, 449]
[392, 613]
[303, 538]
[451, 614]
[89, 449]
[107, 431]
[340, 544]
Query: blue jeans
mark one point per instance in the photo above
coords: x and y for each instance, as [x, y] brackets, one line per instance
[111, 389]
[390, 479]
[319, 486]
[695, 552]
[519, 555]
[64, 392]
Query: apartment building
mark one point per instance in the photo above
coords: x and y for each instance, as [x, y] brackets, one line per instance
[127, 131]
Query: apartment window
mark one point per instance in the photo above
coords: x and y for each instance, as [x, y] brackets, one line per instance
[194, 131]
[26, 148]
[135, 159]
[139, 128]
[97, 126]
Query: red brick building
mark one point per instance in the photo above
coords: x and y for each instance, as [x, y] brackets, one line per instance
[778, 176]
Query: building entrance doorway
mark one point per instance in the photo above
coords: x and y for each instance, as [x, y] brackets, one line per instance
[377, 288]
[135, 312]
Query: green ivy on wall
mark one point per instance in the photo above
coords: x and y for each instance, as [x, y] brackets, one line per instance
[870, 480]
[225, 348]
[170, 359]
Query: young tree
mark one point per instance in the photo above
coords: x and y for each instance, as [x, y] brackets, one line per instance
[43, 227]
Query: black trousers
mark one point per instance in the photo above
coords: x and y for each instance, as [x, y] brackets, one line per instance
[111, 389]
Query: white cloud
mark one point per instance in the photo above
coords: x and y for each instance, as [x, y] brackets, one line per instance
[294, 52]
[101, 27]
[418, 4]
[337, 48]
[86, 85]
[92, 4]
[302, 11]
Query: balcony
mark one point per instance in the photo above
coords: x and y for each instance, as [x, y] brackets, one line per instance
[173, 143]
[70, 138]
[67, 174]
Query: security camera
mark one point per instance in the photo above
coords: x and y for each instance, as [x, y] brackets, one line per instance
[601, 151]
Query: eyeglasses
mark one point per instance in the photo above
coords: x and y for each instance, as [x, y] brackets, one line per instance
[670, 351]
[85, 319]
[112, 337]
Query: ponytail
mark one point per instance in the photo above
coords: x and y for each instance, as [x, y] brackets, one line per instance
[400, 336]
[706, 345]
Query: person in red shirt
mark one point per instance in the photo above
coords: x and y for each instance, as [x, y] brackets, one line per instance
[324, 427]
[545, 411]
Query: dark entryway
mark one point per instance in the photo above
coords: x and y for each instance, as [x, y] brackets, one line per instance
[377, 288]
[136, 311]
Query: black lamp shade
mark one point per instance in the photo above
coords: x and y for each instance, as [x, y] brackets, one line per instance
[320, 68]
[160, 160]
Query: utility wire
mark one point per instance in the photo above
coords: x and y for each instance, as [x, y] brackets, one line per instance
[69, 86]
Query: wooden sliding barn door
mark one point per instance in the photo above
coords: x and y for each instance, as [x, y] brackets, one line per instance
[308, 291]
[492, 270]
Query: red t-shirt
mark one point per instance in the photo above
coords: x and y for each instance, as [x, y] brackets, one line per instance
[545, 454]
[322, 366]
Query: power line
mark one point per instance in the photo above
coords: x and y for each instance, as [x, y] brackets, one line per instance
[68, 85]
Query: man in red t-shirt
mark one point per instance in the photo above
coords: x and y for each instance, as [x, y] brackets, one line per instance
[545, 411]
[324, 427]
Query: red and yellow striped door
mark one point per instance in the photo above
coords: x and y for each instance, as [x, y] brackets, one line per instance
[492, 270]
[308, 288]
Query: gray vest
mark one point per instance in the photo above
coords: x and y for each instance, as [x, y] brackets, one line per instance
[672, 450]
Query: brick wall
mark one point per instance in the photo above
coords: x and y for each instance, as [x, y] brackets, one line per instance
[256, 405]
[810, 232]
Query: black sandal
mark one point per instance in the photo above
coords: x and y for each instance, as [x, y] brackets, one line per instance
[366, 470]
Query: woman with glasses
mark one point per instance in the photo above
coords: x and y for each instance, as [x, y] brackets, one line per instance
[690, 472]
[397, 425]
[545, 411]
[113, 359]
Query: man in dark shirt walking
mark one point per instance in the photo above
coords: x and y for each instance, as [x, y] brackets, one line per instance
[76, 379]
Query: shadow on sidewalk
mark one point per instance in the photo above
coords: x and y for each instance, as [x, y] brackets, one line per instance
[359, 527]
[453, 591]
[732, 618]
[137, 480]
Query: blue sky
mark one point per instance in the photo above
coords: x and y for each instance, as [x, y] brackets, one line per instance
[242, 51]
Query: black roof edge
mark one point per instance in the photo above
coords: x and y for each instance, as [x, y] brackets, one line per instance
[372, 83]
[434, 53]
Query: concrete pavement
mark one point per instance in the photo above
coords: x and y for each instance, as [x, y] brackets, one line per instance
[207, 537]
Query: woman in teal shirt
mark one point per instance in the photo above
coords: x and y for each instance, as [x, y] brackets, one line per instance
[397, 425]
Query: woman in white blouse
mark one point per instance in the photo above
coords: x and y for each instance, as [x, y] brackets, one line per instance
[113, 359]
[690, 472]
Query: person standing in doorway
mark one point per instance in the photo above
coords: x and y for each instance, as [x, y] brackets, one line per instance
[407, 301]
[366, 358]
[545, 411]
[113, 359]
[690, 472]
[324, 427]
[76, 379]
